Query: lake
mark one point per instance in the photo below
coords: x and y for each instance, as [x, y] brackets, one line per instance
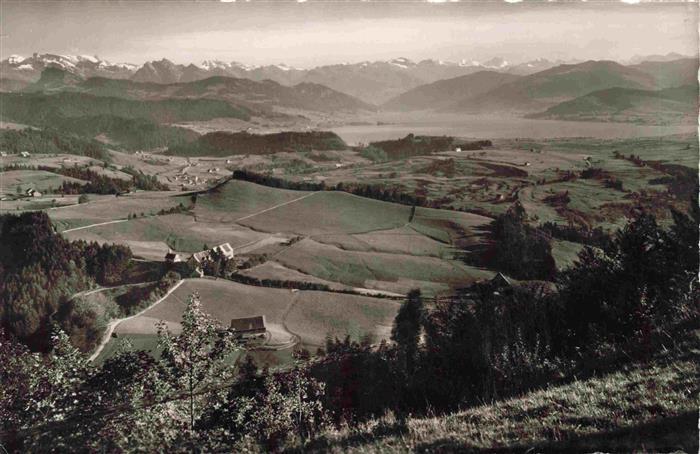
[495, 127]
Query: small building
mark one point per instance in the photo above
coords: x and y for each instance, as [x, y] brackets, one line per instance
[173, 257]
[201, 256]
[500, 281]
[31, 192]
[3, 154]
[249, 326]
[24, 154]
[458, 149]
[224, 249]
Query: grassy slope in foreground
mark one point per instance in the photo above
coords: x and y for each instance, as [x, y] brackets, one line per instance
[650, 408]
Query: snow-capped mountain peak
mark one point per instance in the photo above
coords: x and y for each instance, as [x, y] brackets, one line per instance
[15, 59]
[23, 68]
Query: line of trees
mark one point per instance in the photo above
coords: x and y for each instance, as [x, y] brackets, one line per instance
[591, 237]
[96, 182]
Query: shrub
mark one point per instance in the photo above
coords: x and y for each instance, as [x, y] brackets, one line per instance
[374, 154]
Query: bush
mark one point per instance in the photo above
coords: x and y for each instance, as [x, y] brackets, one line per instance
[374, 154]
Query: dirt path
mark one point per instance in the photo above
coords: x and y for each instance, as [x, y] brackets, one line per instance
[113, 324]
[102, 289]
[275, 207]
[295, 338]
[94, 225]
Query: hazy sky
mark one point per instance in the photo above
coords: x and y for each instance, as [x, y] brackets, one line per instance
[313, 33]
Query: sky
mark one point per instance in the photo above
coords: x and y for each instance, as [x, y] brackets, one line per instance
[313, 33]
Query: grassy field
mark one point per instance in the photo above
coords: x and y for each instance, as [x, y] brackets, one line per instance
[331, 212]
[565, 253]
[316, 314]
[400, 272]
[109, 208]
[309, 314]
[152, 236]
[222, 299]
[676, 149]
[274, 270]
[146, 342]
[402, 240]
[237, 199]
[18, 181]
[648, 408]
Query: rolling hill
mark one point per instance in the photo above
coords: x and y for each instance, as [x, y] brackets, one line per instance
[672, 105]
[248, 94]
[41, 108]
[547, 88]
[130, 123]
[444, 93]
[674, 73]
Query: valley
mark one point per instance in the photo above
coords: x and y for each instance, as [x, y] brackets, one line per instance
[381, 255]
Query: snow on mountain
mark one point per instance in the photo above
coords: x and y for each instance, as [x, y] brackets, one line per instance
[29, 69]
[371, 81]
[15, 59]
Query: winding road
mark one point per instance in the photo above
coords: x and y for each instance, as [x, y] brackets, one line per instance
[113, 324]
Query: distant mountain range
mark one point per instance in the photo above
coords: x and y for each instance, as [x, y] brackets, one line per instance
[398, 85]
[373, 82]
[592, 82]
[261, 97]
[543, 89]
[29, 69]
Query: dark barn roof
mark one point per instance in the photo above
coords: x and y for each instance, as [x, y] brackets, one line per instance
[249, 324]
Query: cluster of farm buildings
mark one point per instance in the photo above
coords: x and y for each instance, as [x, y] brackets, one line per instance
[197, 259]
[247, 327]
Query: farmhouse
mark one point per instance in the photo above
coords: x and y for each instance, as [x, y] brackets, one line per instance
[24, 154]
[249, 326]
[224, 249]
[31, 192]
[172, 257]
[500, 281]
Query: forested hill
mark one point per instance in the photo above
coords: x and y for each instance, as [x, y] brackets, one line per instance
[125, 123]
[235, 143]
[40, 270]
